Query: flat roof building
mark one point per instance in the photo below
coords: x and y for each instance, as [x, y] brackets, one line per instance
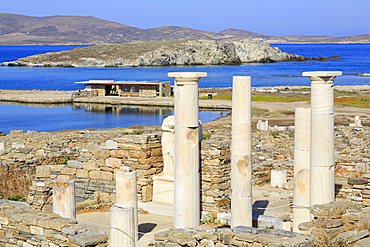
[127, 88]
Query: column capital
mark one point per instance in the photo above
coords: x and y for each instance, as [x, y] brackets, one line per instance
[187, 76]
[322, 76]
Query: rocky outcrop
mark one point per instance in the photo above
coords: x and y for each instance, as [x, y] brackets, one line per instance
[183, 52]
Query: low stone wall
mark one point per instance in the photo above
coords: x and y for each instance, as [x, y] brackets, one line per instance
[224, 237]
[92, 157]
[20, 226]
[340, 223]
[94, 170]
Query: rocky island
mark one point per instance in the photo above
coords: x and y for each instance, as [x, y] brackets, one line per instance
[161, 53]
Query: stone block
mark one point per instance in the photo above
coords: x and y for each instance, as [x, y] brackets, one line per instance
[90, 165]
[156, 152]
[82, 174]
[110, 144]
[357, 181]
[106, 175]
[94, 174]
[63, 177]
[113, 162]
[100, 153]
[56, 223]
[69, 171]
[37, 230]
[89, 238]
[118, 153]
[139, 154]
[147, 193]
[4, 221]
[328, 223]
[74, 164]
[43, 171]
[362, 243]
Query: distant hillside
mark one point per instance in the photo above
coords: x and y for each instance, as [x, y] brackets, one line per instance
[20, 29]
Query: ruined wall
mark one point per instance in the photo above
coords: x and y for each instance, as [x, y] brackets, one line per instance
[91, 157]
[20, 226]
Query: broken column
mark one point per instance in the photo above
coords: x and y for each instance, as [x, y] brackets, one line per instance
[186, 154]
[123, 230]
[241, 167]
[322, 136]
[2, 148]
[126, 194]
[301, 188]
[64, 202]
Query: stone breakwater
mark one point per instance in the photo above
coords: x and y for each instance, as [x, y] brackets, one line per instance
[92, 157]
[189, 52]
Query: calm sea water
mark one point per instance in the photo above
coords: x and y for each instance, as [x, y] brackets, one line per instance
[355, 60]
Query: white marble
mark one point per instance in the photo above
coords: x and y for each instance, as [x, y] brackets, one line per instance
[64, 202]
[186, 150]
[168, 148]
[2, 147]
[126, 191]
[301, 187]
[241, 166]
[322, 136]
[278, 178]
[123, 230]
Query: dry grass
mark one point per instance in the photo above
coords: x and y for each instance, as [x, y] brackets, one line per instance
[15, 180]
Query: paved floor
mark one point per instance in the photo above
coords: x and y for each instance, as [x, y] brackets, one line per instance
[149, 224]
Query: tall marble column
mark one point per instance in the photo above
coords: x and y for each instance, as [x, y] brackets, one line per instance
[126, 193]
[64, 202]
[186, 154]
[322, 136]
[241, 147]
[301, 188]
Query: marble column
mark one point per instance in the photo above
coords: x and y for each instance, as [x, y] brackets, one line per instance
[301, 187]
[64, 202]
[186, 154]
[322, 136]
[126, 192]
[241, 146]
[123, 229]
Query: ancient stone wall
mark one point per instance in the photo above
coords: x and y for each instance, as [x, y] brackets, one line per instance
[91, 157]
[334, 224]
[20, 226]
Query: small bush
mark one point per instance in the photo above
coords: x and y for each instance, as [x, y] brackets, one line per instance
[16, 197]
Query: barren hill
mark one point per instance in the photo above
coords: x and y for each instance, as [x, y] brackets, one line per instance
[21, 29]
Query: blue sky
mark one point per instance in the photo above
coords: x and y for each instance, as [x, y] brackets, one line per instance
[272, 17]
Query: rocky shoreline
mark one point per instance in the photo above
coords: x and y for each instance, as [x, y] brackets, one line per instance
[163, 53]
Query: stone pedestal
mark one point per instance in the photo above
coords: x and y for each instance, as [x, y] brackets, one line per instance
[163, 184]
[123, 230]
[64, 202]
[126, 192]
[187, 177]
[163, 189]
[278, 178]
[241, 167]
[301, 189]
[322, 136]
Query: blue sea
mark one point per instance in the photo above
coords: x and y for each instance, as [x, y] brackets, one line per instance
[355, 60]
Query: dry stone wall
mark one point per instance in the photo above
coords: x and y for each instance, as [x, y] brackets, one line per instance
[22, 226]
[92, 157]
